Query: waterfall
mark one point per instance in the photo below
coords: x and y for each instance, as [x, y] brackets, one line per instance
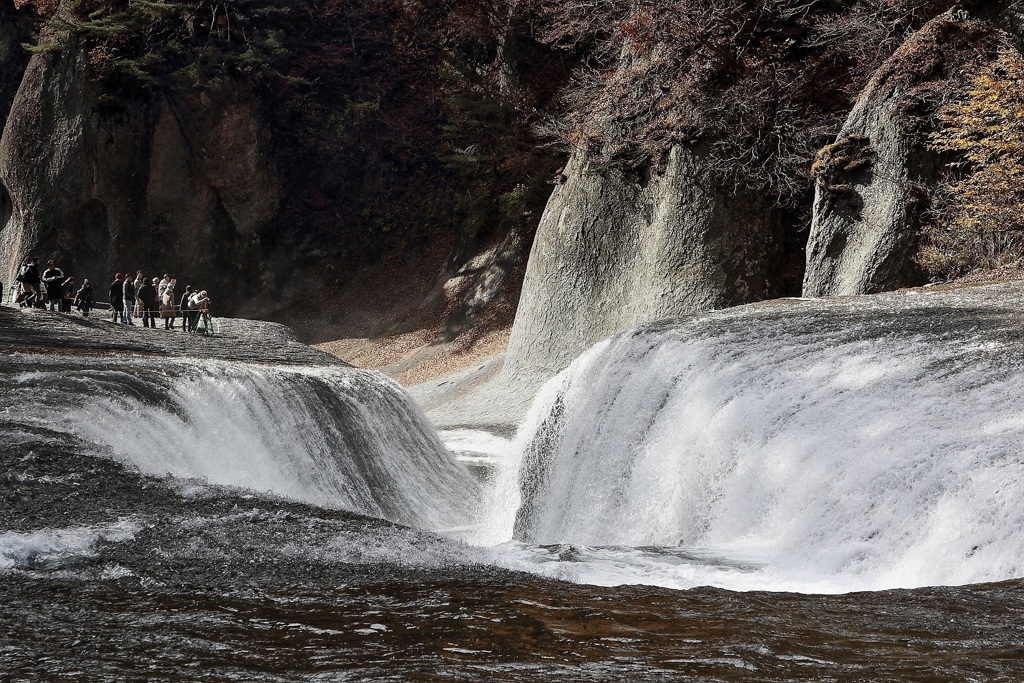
[872, 445]
[333, 436]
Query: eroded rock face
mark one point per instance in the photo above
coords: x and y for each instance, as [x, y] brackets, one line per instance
[614, 251]
[872, 183]
[180, 183]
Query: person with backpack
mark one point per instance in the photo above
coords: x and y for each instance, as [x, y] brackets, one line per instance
[28, 277]
[84, 300]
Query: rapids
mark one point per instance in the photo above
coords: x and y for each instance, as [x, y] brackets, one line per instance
[243, 508]
[816, 446]
[331, 436]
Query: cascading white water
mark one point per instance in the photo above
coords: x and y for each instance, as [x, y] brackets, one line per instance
[335, 437]
[816, 446]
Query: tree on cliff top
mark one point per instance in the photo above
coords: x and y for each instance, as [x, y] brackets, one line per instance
[979, 215]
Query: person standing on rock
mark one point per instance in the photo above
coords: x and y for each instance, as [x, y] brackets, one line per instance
[53, 278]
[183, 308]
[202, 302]
[40, 300]
[168, 311]
[128, 294]
[67, 290]
[148, 302]
[140, 280]
[116, 298]
[84, 300]
[28, 276]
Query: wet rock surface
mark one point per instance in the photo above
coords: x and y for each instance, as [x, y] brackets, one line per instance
[253, 341]
[615, 250]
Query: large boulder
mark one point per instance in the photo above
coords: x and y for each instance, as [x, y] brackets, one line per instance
[873, 182]
[616, 249]
[176, 181]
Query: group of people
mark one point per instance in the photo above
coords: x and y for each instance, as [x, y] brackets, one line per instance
[38, 289]
[129, 298]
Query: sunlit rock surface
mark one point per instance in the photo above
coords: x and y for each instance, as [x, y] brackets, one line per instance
[873, 182]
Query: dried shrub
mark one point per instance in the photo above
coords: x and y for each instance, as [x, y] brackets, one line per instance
[834, 163]
[764, 84]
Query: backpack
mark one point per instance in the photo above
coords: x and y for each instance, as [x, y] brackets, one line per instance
[193, 302]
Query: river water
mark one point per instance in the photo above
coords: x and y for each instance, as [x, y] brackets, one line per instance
[802, 491]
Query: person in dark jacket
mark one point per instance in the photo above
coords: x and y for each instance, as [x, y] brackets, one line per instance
[53, 279]
[150, 308]
[28, 276]
[128, 294]
[186, 317]
[116, 298]
[67, 290]
[84, 300]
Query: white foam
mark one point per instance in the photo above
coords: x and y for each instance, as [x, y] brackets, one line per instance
[336, 437]
[49, 547]
[483, 445]
[819, 458]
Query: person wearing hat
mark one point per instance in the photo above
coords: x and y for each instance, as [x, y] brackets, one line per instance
[116, 298]
[53, 278]
[202, 300]
[28, 276]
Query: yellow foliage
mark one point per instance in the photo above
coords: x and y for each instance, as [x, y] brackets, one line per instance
[980, 215]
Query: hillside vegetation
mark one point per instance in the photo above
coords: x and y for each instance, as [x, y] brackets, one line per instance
[416, 134]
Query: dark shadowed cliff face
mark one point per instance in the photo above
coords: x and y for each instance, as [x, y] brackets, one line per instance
[353, 170]
[15, 29]
[178, 183]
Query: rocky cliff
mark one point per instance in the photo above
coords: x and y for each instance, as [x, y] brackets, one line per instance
[346, 190]
[374, 173]
[616, 249]
[179, 184]
[873, 182]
